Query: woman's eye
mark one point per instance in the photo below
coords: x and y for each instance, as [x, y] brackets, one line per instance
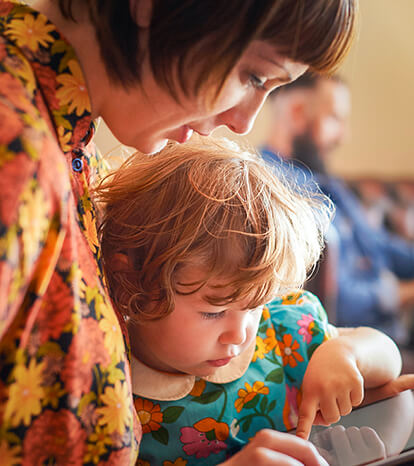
[212, 315]
[257, 82]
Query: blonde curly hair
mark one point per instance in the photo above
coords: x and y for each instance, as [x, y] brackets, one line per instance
[208, 201]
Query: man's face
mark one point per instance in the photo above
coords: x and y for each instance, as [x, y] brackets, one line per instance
[328, 112]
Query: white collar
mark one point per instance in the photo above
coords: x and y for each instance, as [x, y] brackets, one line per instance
[164, 386]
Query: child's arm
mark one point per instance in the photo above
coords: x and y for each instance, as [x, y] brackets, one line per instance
[391, 388]
[338, 372]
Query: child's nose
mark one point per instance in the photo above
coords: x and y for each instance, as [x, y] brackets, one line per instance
[234, 335]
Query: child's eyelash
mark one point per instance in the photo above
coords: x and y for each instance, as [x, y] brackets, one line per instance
[212, 315]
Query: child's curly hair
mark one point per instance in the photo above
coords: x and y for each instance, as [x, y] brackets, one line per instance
[207, 202]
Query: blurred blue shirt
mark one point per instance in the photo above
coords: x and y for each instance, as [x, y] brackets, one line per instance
[371, 261]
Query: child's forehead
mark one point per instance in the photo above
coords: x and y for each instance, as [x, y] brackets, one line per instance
[195, 276]
[194, 281]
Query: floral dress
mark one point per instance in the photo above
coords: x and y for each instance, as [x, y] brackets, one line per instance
[201, 422]
[65, 389]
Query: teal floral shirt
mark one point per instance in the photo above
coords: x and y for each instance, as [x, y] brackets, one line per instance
[215, 420]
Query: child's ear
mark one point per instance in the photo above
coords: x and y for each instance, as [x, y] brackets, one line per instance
[141, 12]
[119, 262]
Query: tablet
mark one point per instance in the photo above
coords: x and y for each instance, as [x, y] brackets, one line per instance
[381, 433]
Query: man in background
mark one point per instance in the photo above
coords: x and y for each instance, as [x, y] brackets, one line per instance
[374, 270]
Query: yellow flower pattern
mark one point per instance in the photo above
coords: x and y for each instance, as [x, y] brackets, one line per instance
[73, 91]
[34, 221]
[115, 412]
[260, 350]
[31, 32]
[109, 325]
[249, 392]
[271, 342]
[53, 394]
[64, 138]
[25, 399]
[265, 313]
[10, 454]
[97, 445]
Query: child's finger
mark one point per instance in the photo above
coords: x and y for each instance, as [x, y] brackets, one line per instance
[344, 403]
[319, 420]
[357, 395]
[307, 413]
[329, 409]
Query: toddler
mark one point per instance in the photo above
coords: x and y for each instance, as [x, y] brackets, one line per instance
[201, 244]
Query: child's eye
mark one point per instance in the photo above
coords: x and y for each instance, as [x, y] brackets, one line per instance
[257, 82]
[212, 315]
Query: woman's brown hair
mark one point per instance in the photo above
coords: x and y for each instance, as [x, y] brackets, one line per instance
[208, 203]
[194, 34]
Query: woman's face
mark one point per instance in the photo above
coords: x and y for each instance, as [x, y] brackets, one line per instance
[147, 116]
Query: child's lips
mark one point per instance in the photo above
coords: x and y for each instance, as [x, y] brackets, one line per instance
[219, 362]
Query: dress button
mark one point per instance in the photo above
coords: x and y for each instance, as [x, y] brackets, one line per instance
[77, 164]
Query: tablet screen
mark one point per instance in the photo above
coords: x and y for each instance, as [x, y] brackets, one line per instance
[384, 429]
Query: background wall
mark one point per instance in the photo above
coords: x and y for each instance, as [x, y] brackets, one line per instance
[380, 73]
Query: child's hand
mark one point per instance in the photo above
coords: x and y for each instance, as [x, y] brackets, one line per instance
[332, 385]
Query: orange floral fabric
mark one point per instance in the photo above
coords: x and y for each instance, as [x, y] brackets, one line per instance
[65, 391]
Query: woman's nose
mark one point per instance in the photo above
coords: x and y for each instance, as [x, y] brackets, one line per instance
[241, 117]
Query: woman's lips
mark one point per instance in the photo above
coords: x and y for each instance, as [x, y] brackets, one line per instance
[185, 134]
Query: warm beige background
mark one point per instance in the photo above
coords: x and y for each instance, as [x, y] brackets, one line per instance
[380, 72]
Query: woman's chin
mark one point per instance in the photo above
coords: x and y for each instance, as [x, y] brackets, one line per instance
[154, 148]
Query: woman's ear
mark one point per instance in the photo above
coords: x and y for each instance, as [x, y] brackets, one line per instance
[141, 12]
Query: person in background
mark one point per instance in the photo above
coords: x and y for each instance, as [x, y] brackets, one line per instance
[401, 219]
[154, 71]
[375, 198]
[375, 270]
[225, 344]
[388, 203]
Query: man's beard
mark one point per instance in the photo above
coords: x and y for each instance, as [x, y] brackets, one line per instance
[306, 152]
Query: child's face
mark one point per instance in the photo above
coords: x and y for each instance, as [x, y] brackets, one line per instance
[196, 338]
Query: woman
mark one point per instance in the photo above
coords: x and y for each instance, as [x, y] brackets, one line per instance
[154, 70]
